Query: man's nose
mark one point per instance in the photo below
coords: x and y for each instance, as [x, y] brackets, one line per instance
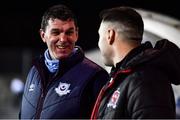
[63, 37]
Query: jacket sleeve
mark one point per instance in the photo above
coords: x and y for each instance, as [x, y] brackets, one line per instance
[151, 96]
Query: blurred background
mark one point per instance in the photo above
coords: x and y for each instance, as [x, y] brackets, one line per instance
[20, 40]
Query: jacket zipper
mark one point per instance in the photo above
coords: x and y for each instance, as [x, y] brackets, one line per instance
[42, 98]
[100, 96]
[94, 114]
[40, 104]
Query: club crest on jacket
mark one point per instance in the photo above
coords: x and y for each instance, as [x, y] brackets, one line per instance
[114, 99]
[62, 89]
[31, 87]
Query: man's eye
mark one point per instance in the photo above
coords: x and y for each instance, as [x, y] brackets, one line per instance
[69, 32]
[55, 33]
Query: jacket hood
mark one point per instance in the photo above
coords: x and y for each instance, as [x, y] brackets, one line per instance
[164, 56]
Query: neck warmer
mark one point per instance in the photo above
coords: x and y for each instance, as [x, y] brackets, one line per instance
[52, 65]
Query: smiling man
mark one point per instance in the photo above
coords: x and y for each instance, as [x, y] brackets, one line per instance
[62, 83]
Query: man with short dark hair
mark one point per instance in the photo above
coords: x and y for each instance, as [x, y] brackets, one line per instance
[141, 75]
[62, 83]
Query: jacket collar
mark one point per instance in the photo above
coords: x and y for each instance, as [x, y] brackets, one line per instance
[131, 58]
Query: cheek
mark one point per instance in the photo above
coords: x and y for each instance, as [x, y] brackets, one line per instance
[49, 43]
[52, 39]
[75, 38]
[100, 42]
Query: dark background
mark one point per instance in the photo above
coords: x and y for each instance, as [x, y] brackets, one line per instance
[20, 22]
[20, 41]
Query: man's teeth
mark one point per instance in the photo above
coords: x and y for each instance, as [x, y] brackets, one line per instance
[61, 47]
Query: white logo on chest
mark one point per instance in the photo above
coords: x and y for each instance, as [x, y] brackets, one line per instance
[31, 87]
[62, 89]
[114, 99]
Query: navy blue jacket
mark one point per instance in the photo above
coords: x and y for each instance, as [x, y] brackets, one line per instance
[70, 93]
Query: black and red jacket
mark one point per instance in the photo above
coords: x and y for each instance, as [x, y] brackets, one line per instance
[141, 84]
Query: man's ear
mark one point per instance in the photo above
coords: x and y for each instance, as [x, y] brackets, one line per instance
[111, 36]
[42, 34]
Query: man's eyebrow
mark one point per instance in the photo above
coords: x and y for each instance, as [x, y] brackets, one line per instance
[59, 30]
[55, 29]
[71, 28]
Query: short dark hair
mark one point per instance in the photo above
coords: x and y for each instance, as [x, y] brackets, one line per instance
[127, 17]
[60, 11]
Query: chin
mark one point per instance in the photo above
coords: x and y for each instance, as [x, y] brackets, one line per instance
[63, 56]
[107, 62]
